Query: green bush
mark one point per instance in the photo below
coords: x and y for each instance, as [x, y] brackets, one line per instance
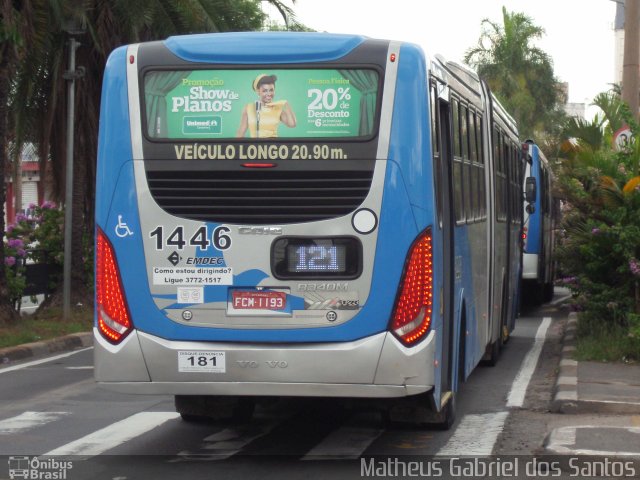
[36, 236]
[599, 248]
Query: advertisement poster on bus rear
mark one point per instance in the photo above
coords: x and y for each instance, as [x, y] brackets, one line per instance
[245, 104]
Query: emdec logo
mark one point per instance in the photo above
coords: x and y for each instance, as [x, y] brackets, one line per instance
[174, 258]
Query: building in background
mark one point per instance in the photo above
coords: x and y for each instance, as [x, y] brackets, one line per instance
[572, 109]
[33, 187]
[618, 28]
[578, 110]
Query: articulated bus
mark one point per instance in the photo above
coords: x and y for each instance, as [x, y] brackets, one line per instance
[302, 214]
[538, 229]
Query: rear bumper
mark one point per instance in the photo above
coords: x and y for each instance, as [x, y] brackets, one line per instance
[530, 266]
[377, 366]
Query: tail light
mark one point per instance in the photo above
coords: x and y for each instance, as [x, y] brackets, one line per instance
[114, 321]
[412, 315]
[525, 231]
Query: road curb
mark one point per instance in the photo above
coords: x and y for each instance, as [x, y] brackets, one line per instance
[565, 399]
[46, 347]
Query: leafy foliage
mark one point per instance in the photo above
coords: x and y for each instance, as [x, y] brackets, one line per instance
[36, 96]
[518, 72]
[600, 248]
[36, 237]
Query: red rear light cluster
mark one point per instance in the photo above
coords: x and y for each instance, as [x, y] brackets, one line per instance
[412, 316]
[114, 321]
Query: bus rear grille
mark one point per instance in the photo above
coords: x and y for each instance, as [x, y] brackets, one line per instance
[259, 197]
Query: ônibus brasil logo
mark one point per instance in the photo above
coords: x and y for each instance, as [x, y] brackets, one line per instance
[38, 468]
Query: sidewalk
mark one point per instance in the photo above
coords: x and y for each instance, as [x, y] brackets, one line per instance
[45, 347]
[604, 400]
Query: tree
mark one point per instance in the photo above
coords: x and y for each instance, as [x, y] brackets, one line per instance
[519, 73]
[14, 19]
[39, 99]
[631, 60]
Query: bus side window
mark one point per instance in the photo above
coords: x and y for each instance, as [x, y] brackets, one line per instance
[513, 193]
[435, 120]
[477, 171]
[468, 189]
[457, 148]
[506, 153]
[464, 131]
[435, 146]
[483, 191]
[507, 182]
[458, 179]
[497, 158]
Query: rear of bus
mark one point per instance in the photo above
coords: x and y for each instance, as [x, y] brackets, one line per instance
[537, 272]
[240, 253]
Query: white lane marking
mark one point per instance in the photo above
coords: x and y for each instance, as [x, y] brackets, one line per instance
[86, 367]
[347, 442]
[520, 384]
[562, 441]
[116, 434]
[41, 361]
[27, 421]
[561, 299]
[228, 442]
[476, 435]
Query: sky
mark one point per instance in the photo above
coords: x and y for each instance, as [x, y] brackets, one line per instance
[579, 34]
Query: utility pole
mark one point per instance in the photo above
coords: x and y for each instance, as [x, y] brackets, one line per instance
[631, 60]
[70, 76]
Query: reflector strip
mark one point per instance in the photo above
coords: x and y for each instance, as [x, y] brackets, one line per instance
[259, 165]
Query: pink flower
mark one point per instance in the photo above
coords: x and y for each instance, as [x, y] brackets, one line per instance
[634, 267]
[15, 243]
[10, 261]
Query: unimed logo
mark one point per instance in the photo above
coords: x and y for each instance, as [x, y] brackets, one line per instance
[38, 468]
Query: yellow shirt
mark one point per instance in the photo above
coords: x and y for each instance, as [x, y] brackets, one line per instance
[269, 119]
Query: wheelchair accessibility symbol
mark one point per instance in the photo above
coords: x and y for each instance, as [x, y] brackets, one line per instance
[122, 229]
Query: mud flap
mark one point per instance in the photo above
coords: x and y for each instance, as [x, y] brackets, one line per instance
[420, 410]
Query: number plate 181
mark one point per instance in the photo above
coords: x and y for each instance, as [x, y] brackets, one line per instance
[201, 362]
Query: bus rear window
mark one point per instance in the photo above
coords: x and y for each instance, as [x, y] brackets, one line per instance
[227, 104]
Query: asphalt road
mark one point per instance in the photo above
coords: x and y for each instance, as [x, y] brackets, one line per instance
[54, 407]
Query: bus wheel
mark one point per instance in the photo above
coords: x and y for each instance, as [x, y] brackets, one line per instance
[203, 408]
[493, 353]
[547, 294]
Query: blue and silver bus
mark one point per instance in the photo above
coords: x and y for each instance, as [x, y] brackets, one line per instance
[538, 232]
[301, 214]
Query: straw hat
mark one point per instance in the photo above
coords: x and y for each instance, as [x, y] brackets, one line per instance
[262, 79]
